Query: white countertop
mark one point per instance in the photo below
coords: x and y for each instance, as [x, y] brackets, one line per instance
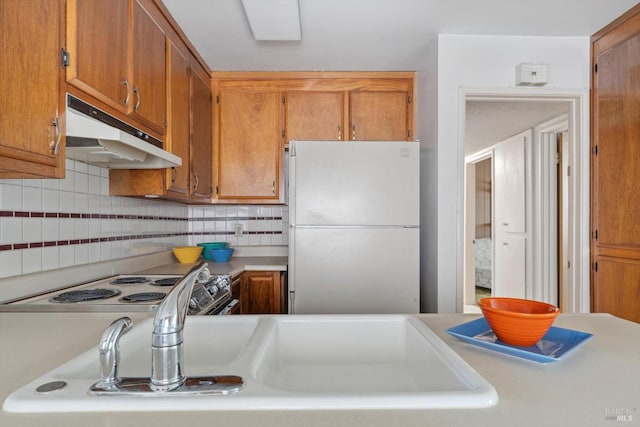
[581, 390]
[234, 266]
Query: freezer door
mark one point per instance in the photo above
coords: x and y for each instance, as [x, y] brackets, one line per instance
[359, 183]
[354, 270]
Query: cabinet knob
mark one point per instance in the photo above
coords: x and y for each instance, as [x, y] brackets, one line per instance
[353, 132]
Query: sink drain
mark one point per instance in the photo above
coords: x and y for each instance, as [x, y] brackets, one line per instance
[52, 386]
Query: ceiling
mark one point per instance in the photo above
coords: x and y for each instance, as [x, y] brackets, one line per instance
[376, 35]
[489, 122]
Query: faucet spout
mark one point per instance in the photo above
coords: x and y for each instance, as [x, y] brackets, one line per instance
[167, 340]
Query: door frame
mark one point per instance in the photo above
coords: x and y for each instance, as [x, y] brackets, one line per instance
[577, 287]
[470, 221]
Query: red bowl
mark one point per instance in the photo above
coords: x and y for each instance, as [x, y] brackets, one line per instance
[518, 321]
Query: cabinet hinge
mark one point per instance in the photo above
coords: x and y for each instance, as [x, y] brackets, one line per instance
[217, 99]
[595, 234]
[409, 99]
[595, 266]
[569, 170]
[595, 150]
[216, 189]
[64, 57]
[557, 158]
[595, 68]
[282, 133]
[283, 99]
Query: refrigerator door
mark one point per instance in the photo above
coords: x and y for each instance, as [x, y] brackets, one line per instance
[344, 270]
[355, 183]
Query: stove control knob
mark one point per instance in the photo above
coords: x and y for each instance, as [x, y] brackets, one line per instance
[213, 291]
[193, 303]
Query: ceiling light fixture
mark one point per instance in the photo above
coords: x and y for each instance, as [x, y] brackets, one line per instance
[273, 20]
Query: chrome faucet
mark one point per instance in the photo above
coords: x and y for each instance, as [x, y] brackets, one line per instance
[167, 357]
[166, 340]
[110, 353]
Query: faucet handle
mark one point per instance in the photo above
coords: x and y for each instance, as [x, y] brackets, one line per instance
[110, 352]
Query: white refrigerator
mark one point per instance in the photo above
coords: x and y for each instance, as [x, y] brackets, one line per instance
[354, 227]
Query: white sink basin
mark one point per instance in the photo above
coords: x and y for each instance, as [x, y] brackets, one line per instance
[287, 362]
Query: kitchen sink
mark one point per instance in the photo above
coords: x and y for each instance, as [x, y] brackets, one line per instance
[373, 361]
[286, 362]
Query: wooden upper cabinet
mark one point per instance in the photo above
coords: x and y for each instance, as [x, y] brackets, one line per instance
[249, 150]
[379, 115]
[148, 74]
[178, 120]
[117, 56]
[314, 115]
[201, 138]
[97, 40]
[31, 123]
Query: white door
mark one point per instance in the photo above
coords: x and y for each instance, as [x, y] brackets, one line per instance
[511, 262]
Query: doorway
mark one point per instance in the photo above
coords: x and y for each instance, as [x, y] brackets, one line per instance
[536, 250]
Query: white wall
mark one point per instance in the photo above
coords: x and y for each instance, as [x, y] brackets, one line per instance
[488, 62]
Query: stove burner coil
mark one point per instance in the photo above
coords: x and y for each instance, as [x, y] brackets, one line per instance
[169, 281]
[143, 297]
[129, 280]
[85, 295]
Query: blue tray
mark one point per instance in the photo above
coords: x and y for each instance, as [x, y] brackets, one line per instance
[555, 345]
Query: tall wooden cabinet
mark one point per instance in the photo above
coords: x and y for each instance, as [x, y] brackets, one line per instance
[615, 166]
[32, 122]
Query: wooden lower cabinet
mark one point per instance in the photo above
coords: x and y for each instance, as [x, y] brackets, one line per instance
[262, 292]
[616, 288]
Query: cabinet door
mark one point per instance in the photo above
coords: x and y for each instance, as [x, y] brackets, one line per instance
[31, 132]
[179, 120]
[314, 115]
[148, 70]
[261, 292]
[201, 137]
[97, 40]
[249, 148]
[379, 115]
[615, 168]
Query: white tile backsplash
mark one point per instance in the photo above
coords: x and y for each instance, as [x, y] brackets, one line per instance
[119, 227]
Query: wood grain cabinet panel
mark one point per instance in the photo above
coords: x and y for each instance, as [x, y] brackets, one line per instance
[32, 86]
[261, 292]
[249, 154]
[201, 186]
[117, 56]
[615, 168]
[379, 115]
[314, 115]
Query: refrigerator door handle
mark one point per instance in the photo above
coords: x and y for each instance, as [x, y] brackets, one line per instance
[292, 300]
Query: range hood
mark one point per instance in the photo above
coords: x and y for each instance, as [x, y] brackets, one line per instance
[98, 138]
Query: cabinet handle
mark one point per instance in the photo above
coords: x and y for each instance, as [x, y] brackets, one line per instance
[125, 83]
[353, 132]
[137, 92]
[174, 174]
[195, 186]
[55, 145]
[273, 187]
[339, 133]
